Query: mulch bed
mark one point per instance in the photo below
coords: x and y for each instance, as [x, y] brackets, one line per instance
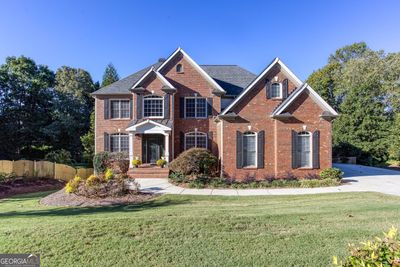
[60, 198]
[23, 185]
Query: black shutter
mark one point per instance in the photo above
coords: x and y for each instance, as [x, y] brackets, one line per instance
[239, 150]
[260, 149]
[267, 88]
[106, 109]
[294, 150]
[210, 141]
[166, 106]
[139, 108]
[106, 142]
[181, 107]
[285, 85]
[182, 141]
[209, 106]
[131, 108]
[315, 150]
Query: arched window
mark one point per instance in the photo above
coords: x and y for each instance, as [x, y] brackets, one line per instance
[276, 90]
[195, 139]
[249, 149]
[153, 106]
[179, 68]
[304, 149]
[119, 142]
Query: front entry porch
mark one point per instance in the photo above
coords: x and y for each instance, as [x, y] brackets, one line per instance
[149, 141]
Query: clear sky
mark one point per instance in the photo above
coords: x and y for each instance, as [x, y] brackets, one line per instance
[134, 34]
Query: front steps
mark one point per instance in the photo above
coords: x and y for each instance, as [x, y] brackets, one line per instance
[148, 172]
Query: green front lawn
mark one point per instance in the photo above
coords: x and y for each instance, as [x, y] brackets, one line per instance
[197, 230]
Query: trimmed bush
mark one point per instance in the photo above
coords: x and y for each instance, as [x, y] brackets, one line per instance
[379, 252]
[101, 161]
[73, 185]
[195, 161]
[161, 163]
[319, 183]
[177, 177]
[108, 175]
[136, 163]
[119, 162]
[331, 173]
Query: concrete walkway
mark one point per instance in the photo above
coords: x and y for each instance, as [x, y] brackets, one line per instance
[357, 178]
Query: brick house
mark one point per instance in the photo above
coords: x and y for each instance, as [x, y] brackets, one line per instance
[259, 125]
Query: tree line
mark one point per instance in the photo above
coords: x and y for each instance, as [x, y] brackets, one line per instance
[46, 114]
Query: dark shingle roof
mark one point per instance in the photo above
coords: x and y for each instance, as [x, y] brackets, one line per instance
[232, 78]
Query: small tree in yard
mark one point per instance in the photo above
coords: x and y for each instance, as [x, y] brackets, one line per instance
[195, 161]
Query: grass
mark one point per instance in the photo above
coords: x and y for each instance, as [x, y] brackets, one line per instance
[197, 230]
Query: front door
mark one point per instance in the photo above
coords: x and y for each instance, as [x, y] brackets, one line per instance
[153, 148]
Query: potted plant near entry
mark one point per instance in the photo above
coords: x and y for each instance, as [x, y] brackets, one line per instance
[136, 162]
[161, 163]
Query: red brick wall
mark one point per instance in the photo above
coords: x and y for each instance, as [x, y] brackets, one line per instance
[255, 111]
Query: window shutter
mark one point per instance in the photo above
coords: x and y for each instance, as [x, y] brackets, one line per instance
[139, 108]
[294, 150]
[106, 142]
[260, 149]
[210, 140]
[131, 108]
[106, 109]
[285, 85]
[182, 141]
[181, 107]
[267, 88]
[166, 106]
[209, 106]
[315, 150]
[239, 150]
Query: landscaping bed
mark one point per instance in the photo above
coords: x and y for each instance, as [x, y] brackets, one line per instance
[61, 198]
[21, 185]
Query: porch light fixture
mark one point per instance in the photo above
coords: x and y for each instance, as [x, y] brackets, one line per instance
[276, 78]
[119, 130]
[304, 127]
[152, 92]
[249, 127]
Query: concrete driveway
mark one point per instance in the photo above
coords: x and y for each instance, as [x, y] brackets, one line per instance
[357, 178]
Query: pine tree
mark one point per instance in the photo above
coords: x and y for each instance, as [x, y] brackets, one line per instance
[110, 75]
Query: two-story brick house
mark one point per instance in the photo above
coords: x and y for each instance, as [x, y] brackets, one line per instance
[266, 124]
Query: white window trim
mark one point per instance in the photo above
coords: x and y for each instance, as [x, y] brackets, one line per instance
[256, 143]
[195, 139]
[119, 109]
[119, 141]
[311, 148]
[155, 97]
[280, 90]
[195, 107]
[182, 69]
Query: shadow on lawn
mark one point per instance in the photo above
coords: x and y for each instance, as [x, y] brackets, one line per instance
[68, 211]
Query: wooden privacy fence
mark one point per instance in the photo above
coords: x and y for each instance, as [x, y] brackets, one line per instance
[44, 169]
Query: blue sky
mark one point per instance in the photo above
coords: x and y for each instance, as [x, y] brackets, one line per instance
[134, 34]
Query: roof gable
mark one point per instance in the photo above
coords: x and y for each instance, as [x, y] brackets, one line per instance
[195, 65]
[275, 62]
[296, 93]
[147, 74]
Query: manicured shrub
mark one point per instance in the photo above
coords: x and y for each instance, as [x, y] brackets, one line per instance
[73, 185]
[177, 177]
[101, 161]
[319, 183]
[119, 162]
[92, 180]
[161, 163]
[60, 156]
[108, 175]
[195, 161]
[379, 252]
[136, 163]
[331, 173]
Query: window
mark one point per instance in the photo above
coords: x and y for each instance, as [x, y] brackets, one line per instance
[119, 143]
[275, 90]
[120, 109]
[195, 107]
[304, 149]
[179, 68]
[153, 106]
[249, 149]
[195, 139]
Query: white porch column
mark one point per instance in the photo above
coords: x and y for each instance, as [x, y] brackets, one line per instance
[166, 135]
[131, 134]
